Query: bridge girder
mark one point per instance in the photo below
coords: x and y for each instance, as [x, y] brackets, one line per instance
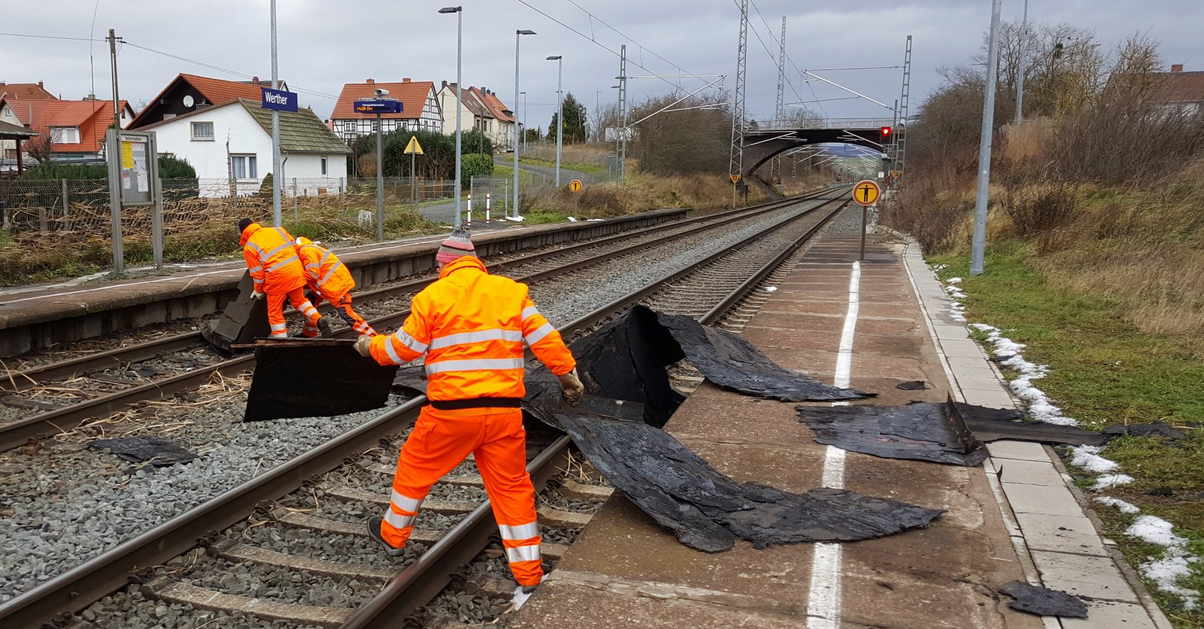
[763, 144]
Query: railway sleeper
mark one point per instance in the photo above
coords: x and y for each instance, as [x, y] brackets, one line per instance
[173, 591]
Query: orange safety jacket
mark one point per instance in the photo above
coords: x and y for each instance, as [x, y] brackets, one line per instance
[272, 259]
[472, 326]
[325, 274]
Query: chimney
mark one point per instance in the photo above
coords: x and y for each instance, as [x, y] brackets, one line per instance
[406, 80]
[255, 80]
[444, 84]
[44, 87]
[371, 81]
[1177, 67]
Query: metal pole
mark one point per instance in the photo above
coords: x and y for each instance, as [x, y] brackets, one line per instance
[414, 180]
[156, 188]
[1021, 70]
[865, 211]
[294, 199]
[559, 115]
[524, 123]
[623, 116]
[518, 34]
[459, 109]
[114, 155]
[277, 184]
[978, 251]
[380, 185]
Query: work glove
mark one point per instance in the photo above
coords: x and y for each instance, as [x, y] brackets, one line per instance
[573, 389]
[363, 346]
[256, 295]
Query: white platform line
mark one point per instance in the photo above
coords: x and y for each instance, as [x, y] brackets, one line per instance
[823, 598]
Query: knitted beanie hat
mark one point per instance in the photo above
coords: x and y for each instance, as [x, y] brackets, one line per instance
[455, 247]
[244, 224]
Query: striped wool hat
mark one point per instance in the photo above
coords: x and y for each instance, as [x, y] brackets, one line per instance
[455, 247]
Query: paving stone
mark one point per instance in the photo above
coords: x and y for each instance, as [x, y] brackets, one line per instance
[1084, 575]
[1021, 450]
[1059, 533]
[1041, 499]
[1030, 473]
[1112, 615]
[989, 399]
[975, 382]
[962, 349]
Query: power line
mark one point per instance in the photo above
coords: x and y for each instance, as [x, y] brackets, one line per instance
[628, 38]
[789, 59]
[227, 70]
[31, 36]
[764, 46]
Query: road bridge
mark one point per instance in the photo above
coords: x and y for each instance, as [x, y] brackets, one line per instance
[765, 139]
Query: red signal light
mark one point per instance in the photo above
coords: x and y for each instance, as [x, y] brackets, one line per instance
[886, 131]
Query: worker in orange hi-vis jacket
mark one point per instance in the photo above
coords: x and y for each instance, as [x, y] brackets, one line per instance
[277, 272]
[472, 327]
[327, 278]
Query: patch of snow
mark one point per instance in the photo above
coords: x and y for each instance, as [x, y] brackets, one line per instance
[954, 280]
[1039, 405]
[1166, 573]
[1112, 480]
[770, 289]
[1088, 458]
[1123, 506]
[519, 599]
[1155, 530]
[940, 267]
[572, 220]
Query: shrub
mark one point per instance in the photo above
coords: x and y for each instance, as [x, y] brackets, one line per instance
[475, 166]
[1037, 208]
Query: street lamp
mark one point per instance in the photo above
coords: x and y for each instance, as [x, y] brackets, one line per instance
[559, 113]
[459, 100]
[524, 95]
[518, 34]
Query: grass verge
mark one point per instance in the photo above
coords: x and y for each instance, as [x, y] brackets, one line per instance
[1105, 370]
[592, 169]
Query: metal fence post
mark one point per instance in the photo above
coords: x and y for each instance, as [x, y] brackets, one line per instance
[343, 197]
[114, 150]
[294, 199]
[66, 206]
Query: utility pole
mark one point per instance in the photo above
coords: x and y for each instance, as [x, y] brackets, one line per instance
[459, 11]
[1022, 69]
[380, 184]
[277, 183]
[904, 101]
[622, 115]
[114, 157]
[736, 163]
[775, 167]
[518, 34]
[978, 251]
[559, 59]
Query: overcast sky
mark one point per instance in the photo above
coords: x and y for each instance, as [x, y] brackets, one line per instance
[324, 44]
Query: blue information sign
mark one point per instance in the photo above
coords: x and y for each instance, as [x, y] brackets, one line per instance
[378, 107]
[279, 100]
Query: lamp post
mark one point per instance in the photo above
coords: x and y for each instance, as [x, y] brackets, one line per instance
[459, 11]
[559, 113]
[524, 95]
[518, 35]
[277, 179]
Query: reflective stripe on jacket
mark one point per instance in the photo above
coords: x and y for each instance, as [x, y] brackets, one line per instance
[325, 274]
[473, 327]
[272, 259]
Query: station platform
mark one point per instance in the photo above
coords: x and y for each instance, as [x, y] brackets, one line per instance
[38, 317]
[889, 318]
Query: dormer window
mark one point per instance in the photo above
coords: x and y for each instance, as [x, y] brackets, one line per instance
[64, 135]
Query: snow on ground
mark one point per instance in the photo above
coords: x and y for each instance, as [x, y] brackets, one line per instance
[1011, 355]
[1088, 458]
[1121, 505]
[1112, 480]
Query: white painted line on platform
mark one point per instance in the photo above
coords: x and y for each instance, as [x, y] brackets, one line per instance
[823, 598]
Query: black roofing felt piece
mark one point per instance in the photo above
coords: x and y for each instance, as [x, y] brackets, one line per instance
[919, 431]
[708, 511]
[158, 451]
[1043, 601]
[731, 362]
[913, 385]
[1156, 429]
[300, 377]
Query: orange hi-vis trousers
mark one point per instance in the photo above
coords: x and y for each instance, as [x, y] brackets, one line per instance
[297, 298]
[439, 442]
[342, 305]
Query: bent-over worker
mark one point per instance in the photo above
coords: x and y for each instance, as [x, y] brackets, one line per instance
[277, 272]
[327, 278]
[472, 326]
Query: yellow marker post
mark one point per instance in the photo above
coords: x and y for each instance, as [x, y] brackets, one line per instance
[865, 194]
[575, 186]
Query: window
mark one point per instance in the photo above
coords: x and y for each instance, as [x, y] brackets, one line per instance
[323, 166]
[202, 131]
[8, 111]
[64, 135]
[243, 167]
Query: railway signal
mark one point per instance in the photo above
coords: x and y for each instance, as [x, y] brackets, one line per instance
[885, 134]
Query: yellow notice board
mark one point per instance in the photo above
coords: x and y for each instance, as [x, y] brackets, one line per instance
[127, 154]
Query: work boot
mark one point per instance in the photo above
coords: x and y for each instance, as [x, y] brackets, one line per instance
[374, 533]
[326, 327]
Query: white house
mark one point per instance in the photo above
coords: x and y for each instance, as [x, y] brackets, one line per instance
[481, 110]
[420, 109]
[230, 147]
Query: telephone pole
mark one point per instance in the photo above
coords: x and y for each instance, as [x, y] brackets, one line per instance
[978, 250]
[113, 154]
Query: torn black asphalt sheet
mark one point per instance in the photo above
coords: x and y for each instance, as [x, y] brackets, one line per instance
[1043, 601]
[919, 431]
[708, 511]
[157, 451]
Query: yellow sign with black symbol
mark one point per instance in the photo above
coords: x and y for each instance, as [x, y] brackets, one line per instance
[866, 192]
[413, 148]
[575, 186]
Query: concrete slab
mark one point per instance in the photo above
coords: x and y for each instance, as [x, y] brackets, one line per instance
[1063, 534]
[1083, 575]
[1021, 450]
[1112, 615]
[1030, 473]
[1041, 500]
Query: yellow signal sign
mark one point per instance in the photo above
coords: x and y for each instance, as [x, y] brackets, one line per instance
[866, 192]
[413, 148]
[575, 186]
[895, 174]
[735, 178]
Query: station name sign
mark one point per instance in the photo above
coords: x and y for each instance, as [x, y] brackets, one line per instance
[279, 100]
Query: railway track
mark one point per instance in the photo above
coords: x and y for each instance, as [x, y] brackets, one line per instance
[162, 367]
[329, 475]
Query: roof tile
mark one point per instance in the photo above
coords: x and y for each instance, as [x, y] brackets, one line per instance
[413, 96]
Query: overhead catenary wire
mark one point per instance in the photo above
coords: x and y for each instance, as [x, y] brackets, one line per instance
[628, 38]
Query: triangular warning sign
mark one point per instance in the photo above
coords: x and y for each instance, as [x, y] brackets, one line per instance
[413, 147]
[735, 178]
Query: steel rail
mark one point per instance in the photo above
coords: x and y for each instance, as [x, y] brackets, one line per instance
[21, 432]
[77, 588]
[16, 381]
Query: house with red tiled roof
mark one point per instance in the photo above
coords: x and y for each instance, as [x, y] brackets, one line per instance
[75, 129]
[1179, 90]
[420, 109]
[188, 92]
[481, 110]
[25, 91]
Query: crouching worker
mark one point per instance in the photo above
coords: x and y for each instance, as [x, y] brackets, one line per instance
[327, 278]
[277, 272]
[472, 327]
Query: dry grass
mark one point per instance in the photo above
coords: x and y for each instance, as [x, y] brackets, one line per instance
[702, 193]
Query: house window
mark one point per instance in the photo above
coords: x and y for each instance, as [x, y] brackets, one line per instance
[323, 166]
[8, 111]
[202, 131]
[243, 167]
[64, 135]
